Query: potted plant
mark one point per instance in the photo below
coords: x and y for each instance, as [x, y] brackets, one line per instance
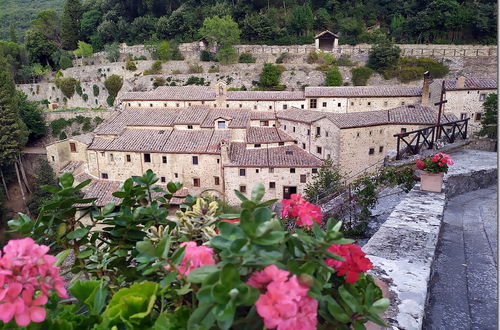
[432, 170]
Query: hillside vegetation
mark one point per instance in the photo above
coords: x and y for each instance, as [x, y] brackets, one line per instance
[20, 13]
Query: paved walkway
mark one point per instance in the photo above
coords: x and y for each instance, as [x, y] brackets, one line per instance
[463, 287]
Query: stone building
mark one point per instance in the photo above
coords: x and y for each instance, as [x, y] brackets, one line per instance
[342, 99]
[465, 97]
[326, 41]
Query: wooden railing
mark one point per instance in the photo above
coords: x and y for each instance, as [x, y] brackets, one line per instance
[413, 142]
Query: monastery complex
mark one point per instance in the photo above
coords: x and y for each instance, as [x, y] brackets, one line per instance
[216, 140]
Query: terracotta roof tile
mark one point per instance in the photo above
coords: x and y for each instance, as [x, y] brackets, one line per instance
[141, 140]
[262, 115]
[473, 83]
[239, 117]
[265, 95]
[172, 93]
[193, 115]
[363, 91]
[138, 117]
[298, 115]
[267, 135]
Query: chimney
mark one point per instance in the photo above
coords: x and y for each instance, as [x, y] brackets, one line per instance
[221, 93]
[460, 82]
[225, 147]
[426, 94]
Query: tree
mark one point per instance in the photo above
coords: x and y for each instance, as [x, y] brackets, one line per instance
[70, 24]
[142, 28]
[302, 19]
[67, 86]
[222, 31]
[326, 182]
[259, 27]
[47, 22]
[45, 176]
[13, 135]
[227, 55]
[270, 76]
[32, 116]
[113, 84]
[333, 77]
[383, 55]
[40, 48]
[162, 51]
[84, 50]
[12, 33]
[490, 117]
[112, 52]
[89, 22]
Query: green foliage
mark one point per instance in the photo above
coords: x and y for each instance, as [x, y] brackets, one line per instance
[162, 51]
[326, 182]
[489, 120]
[159, 81]
[78, 89]
[302, 19]
[84, 50]
[95, 90]
[270, 76]
[110, 100]
[195, 68]
[65, 62]
[247, 58]
[333, 77]
[227, 55]
[130, 65]
[85, 97]
[213, 69]
[39, 47]
[67, 86]
[344, 60]
[205, 56]
[112, 52]
[282, 58]
[32, 116]
[70, 24]
[193, 80]
[384, 55]
[113, 84]
[222, 31]
[44, 175]
[409, 69]
[361, 75]
[155, 68]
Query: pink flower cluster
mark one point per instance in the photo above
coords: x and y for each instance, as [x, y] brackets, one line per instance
[300, 209]
[27, 274]
[195, 256]
[438, 159]
[354, 264]
[442, 159]
[284, 305]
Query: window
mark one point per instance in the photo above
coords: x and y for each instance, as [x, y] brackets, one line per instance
[190, 126]
[308, 132]
[243, 189]
[241, 105]
[177, 105]
[385, 103]
[257, 145]
[189, 104]
[403, 103]
[403, 130]
[478, 116]
[165, 105]
[176, 175]
[272, 185]
[72, 146]
[319, 150]
[255, 107]
[102, 153]
[147, 158]
[164, 159]
[281, 143]
[257, 170]
[104, 176]
[357, 135]
[327, 134]
[271, 170]
[139, 103]
[196, 182]
[216, 180]
[369, 103]
[482, 97]
[463, 115]
[289, 152]
[150, 105]
[303, 145]
[292, 170]
[221, 124]
[285, 106]
[371, 151]
[195, 160]
[127, 157]
[303, 178]
[318, 131]
[370, 133]
[129, 104]
[339, 104]
[380, 149]
[202, 102]
[163, 180]
[293, 129]
[284, 127]
[324, 104]
[352, 103]
[270, 107]
[314, 171]
[218, 161]
[264, 123]
[243, 172]
[227, 105]
[111, 158]
[302, 106]
[313, 103]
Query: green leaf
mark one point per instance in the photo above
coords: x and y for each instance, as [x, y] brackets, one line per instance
[172, 187]
[349, 299]
[177, 256]
[84, 254]
[230, 274]
[379, 306]
[337, 311]
[199, 274]
[82, 184]
[240, 195]
[79, 233]
[146, 247]
[108, 208]
[85, 291]
[202, 317]
[66, 180]
[258, 192]
[61, 256]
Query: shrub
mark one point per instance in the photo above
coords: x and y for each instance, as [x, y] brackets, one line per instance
[195, 68]
[322, 67]
[87, 127]
[344, 60]
[63, 136]
[44, 175]
[333, 77]
[205, 56]
[282, 58]
[227, 55]
[270, 76]
[65, 62]
[85, 97]
[325, 58]
[112, 52]
[192, 80]
[110, 100]
[213, 69]
[435, 68]
[361, 75]
[176, 72]
[130, 65]
[312, 57]
[246, 58]
[67, 86]
[155, 68]
[326, 182]
[78, 89]
[113, 84]
[95, 90]
[159, 81]
[98, 120]
[140, 58]
[162, 51]
[384, 55]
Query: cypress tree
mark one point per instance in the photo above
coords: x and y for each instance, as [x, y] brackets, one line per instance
[13, 135]
[70, 24]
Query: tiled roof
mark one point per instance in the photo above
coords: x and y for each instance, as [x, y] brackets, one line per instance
[84, 138]
[265, 95]
[140, 140]
[70, 166]
[172, 93]
[298, 115]
[473, 83]
[262, 115]
[363, 91]
[286, 156]
[193, 115]
[239, 117]
[267, 135]
[137, 117]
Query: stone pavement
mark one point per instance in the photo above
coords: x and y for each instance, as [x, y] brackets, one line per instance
[463, 286]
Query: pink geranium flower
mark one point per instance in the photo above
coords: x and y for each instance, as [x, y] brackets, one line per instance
[284, 305]
[27, 274]
[354, 262]
[195, 256]
[304, 212]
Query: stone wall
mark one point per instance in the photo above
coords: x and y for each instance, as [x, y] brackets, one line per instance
[53, 115]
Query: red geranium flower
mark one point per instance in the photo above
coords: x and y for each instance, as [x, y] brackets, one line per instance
[354, 264]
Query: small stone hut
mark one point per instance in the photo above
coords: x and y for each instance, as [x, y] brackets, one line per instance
[326, 41]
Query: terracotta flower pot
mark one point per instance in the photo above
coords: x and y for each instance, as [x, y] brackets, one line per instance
[431, 181]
